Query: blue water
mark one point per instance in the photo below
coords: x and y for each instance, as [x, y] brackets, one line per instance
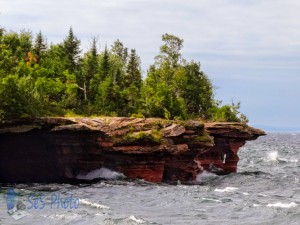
[266, 190]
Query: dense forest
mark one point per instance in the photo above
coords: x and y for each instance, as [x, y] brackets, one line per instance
[38, 79]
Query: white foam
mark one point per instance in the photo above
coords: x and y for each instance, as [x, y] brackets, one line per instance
[293, 160]
[283, 205]
[92, 204]
[205, 175]
[64, 216]
[133, 218]
[227, 189]
[272, 156]
[288, 160]
[100, 173]
[262, 195]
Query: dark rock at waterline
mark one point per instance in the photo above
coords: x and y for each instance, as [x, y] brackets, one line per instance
[156, 150]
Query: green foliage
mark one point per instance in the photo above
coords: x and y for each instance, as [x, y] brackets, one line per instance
[175, 88]
[40, 46]
[170, 51]
[137, 115]
[12, 102]
[154, 136]
[229, 113]
[71, 51]
[51, 90]
[39, 80]
[19, 97]
[120, 51]
[90, 67]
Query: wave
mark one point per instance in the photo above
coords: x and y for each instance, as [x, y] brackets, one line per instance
[283, 205]
[227, 189]
[133, 218]
[130, 220]
[205, 175]
[274, 157]
[288, 160]
[92, 204]
[63, 216]
[100, 173]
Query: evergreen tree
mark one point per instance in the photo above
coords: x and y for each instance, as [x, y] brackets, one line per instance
[195, 88]
[133, 73]
[40, 46]
[102, 75]
[105, 65]
[71, 50]
[90, 67]
[133, 83]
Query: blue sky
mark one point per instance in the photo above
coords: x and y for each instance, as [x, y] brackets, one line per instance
[249, 48]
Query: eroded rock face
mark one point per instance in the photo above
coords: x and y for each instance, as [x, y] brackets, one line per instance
[222, 158]
[156, 150]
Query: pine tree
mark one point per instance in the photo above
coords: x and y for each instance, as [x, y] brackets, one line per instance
[101, 76]
[90, 67]
[71, 49]
[105, 64]
[133, 73]
[40, 46]
[132, 83]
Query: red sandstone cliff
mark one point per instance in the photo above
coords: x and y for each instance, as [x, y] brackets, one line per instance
[156, 150]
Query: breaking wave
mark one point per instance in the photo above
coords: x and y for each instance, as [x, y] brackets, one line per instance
[227, 189]
[93, 204]
[283, 205]
[103, 173]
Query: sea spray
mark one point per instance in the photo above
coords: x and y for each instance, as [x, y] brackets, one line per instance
[283, 205]
[272, 156]
[100, 173]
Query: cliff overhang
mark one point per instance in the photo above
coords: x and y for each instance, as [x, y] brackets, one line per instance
[156, 150]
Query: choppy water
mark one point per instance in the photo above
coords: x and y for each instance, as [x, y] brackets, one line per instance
[266, 190]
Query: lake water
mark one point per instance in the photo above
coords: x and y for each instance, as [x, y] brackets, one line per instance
[266, 190]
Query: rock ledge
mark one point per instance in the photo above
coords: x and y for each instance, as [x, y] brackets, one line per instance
[156, 150]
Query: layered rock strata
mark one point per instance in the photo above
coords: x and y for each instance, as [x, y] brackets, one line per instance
[156, 150]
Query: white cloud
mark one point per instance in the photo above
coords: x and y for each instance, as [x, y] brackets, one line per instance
[246, 29]
[233, 27]
[245, 40]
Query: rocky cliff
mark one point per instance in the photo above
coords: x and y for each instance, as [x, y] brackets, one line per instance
[156, 150]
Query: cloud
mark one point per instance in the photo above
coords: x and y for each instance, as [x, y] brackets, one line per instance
[220, 32]
[236, 41]
[233, 27]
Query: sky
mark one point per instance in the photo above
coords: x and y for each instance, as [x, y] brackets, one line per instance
[249, 48]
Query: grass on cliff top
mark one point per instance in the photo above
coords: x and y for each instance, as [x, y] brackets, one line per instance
[205, 137]
[153, 136]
